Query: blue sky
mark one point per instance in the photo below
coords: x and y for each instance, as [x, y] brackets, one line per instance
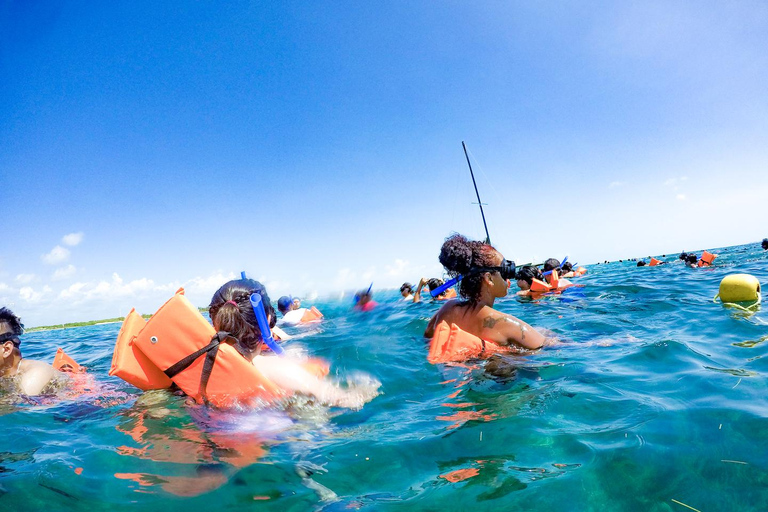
[317, 145]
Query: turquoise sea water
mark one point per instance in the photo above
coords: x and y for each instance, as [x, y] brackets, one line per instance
[656, 396]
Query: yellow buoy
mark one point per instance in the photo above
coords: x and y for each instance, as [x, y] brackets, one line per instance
[739, 288]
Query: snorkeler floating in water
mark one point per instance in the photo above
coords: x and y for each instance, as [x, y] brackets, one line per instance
[364, 300]
[293, 313]
[32, 376]
[485, 273]
[231, 311]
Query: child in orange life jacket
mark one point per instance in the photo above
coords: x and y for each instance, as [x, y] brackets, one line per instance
[231, 311]
[553, 264]
[483, 282]
[32, 376]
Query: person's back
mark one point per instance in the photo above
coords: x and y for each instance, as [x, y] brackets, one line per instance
[484, 272]
[32, 376]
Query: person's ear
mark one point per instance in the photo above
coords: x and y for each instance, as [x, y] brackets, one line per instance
[7, 349]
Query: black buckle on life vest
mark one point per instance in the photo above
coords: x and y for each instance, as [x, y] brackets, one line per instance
[211, 351]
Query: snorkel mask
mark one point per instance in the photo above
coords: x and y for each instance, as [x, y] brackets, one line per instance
[506, 269]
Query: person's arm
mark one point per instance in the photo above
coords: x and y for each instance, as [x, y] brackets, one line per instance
[417, 294]
[36, 376]
[507, 330]
[430, 330]
[291, 375]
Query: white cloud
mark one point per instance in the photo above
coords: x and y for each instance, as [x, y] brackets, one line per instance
[72, 239]
[680, 197]
[673, 182]
[28, 294]
[57, 255]
[64, 272]
[25, 278]
[399, 269]
[615, 184]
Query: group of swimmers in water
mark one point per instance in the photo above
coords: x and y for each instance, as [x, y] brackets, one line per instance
[484, 274]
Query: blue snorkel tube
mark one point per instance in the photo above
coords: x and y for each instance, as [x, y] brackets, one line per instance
[440, 289]
[357, 296]
[261, 318]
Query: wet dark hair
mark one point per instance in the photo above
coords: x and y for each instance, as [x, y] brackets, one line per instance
[240, 321]
[567, 267]
[458, 255]
[528, 273]
[435, 283]
[765, 243]
[551, 264]
[14, 322]
[683, 256]
[691, 258]
[406, 286]
[641, 263]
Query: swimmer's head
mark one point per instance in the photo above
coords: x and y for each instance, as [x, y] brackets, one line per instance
[683, 256]
[460, 256]
[231, 311]
[10, 329]
[406, 289]
[526, 275]
[765, 244]
[435, 283]
[551, 264]
[363, 297]
[691, 258]
[566, 267]
[285, 304]
[641, 263]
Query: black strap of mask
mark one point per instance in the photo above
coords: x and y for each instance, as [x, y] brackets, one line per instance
[211, 351]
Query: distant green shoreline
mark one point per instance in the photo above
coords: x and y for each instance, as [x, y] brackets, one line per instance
[84, 324]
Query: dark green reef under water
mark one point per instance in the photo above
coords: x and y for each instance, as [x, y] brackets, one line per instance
[654, 401]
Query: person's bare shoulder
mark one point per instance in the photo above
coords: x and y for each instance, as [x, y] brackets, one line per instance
[35, 376]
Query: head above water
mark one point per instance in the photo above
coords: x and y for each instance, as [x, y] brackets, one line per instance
[11, 328]
[551, 264]
[566, 267]
[641, 263]
[406, 289]
[461, 256]
[434, 283]
[284, 304]
[231, 311]
[526, 275]
[765, 244]
[691, 258]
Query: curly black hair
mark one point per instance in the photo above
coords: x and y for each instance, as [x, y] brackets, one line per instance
[459, 255]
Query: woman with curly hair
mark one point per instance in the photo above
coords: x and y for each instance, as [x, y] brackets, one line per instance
[482, 283]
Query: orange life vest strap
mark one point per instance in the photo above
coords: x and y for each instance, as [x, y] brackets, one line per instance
[64, 363]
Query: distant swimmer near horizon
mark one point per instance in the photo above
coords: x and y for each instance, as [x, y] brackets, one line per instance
[483, 269]
[32, 376]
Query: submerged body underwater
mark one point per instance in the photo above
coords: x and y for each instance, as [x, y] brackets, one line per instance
[653, 399]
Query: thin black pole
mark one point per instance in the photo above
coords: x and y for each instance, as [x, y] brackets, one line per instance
[487, 236]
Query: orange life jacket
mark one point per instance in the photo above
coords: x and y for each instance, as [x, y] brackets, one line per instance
[178, 345]
[540, 286]
[554, 280]
[451, 344]
[63, 363]
[311, 315]
[654, 262]
[130, 364]
[580, 271]
[706, 259]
